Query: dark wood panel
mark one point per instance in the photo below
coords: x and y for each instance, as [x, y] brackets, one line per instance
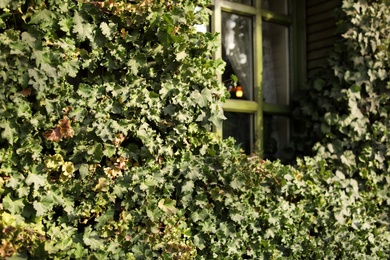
[320, 32]
[310, 3]
[322, 25]
[325, 6]
[323, 43]
[320, 17]
[315, 64]
[325, 34]
[318, 54]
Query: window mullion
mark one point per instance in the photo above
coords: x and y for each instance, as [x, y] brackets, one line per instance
[279, 110]
[258, 76]
[240, 106]
[276, 18]
[237, 8]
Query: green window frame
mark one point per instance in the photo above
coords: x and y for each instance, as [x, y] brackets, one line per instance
[293, 20]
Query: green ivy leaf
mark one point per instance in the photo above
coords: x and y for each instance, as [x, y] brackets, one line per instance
[5, 3]
[36, 179]
[66, 24]
[108, 29]
[104, 218]
[167, 205]
[236, 183]
[9, 132]
[43, 16]
[188, 186]
[97, 152]
[82, 28]
[109, 150]
[42, 206]
[84, 170]
[13, 206]
[31, 39]
[91, 239]
[181, 55]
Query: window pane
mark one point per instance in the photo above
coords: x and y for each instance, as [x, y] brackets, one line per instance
[275, 64]
[276, 136]
[237, 52]
[239, 126]
[247, 2]
[277, 6]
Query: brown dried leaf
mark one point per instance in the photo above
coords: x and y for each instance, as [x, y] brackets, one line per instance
[26, 92]
[66, 129]
[119, 138]
[121, 163]
[53, 135]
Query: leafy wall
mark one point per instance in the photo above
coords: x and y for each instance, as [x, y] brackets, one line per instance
[106, 152]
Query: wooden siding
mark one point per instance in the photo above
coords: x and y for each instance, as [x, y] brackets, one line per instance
[321, 31]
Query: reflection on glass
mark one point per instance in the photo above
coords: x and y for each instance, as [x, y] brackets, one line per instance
[275, 64]
[276, 136]
[277, 6]
[246, 2]
[237, 52]
[239, 126]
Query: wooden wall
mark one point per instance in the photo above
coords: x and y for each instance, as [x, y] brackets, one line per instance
[321, 31]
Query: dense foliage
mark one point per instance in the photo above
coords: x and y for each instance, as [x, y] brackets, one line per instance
[106, 151]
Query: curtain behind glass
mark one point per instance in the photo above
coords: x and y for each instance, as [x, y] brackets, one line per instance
[238, 50]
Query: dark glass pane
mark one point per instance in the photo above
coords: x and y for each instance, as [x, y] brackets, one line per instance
[239, 126]
[246, 2]
[237, 52]
[276, 76]
[277, 6]
[276, 137]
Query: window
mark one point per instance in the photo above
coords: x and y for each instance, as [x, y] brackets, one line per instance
[257, 37]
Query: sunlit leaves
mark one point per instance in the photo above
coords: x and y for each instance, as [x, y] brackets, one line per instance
[108, 30]
[82, 27]
[43, 205]
[102, 185]
[43, 17]
[167, 205]
[37, 180]
[90, 114]
[13, 206]
[91, 239]
[8, 131]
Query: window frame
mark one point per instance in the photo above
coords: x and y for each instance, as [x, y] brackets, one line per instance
[297, 65]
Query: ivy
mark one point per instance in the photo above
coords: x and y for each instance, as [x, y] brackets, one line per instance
[106, 150]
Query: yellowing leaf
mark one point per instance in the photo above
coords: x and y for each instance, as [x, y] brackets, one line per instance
[103, 185]
[167, 205]
[54, 162]
[67, 168]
